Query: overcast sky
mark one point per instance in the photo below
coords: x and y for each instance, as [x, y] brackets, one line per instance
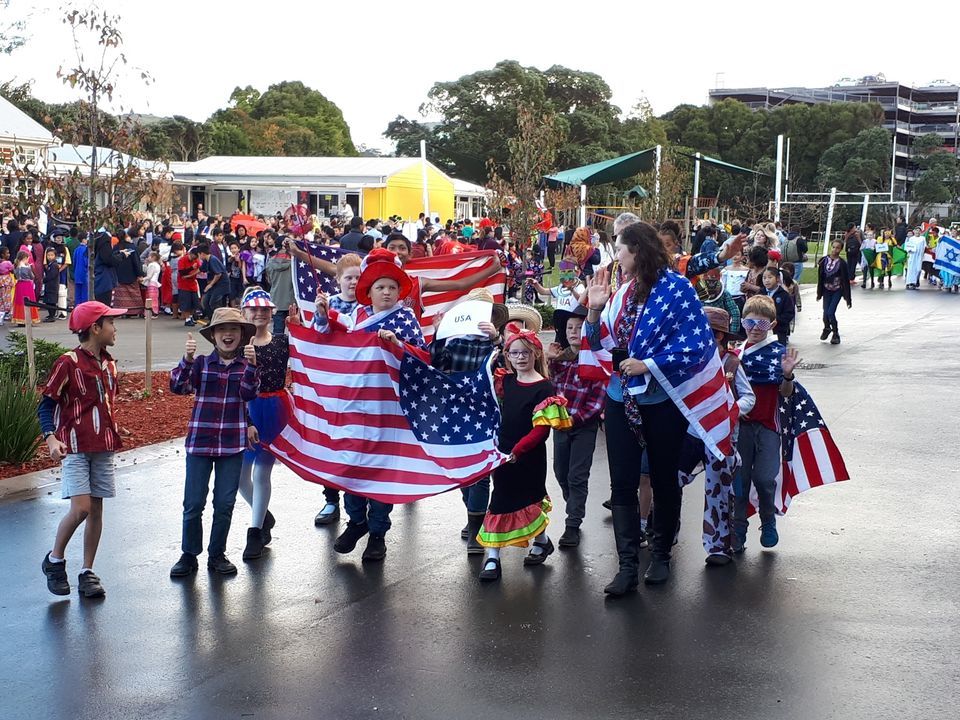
[378, 59]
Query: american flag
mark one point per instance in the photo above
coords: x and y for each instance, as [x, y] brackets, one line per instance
[810, 456]
[439, 267]
[369, 418]
[673, 338]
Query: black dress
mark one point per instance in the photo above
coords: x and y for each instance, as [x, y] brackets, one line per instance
[519, 502]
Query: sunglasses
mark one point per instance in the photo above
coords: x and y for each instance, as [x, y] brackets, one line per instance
[751, 324]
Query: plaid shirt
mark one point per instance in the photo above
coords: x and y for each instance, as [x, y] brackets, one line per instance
[460, 354]
[218, 425]
[585, 398]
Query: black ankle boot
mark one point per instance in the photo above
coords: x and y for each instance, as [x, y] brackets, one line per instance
[474, 523]
[835, 340]
[826, 330]
[626, 532]
[658, 572]
[254, 548]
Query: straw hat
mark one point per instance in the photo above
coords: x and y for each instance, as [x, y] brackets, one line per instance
[229, 316]
[529, 316]
[500, 314]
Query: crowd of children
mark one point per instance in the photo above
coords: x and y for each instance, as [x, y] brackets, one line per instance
[239, 389]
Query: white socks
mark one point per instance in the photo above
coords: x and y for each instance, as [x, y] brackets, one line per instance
[492, 554]
[55, 559]
[539, 544]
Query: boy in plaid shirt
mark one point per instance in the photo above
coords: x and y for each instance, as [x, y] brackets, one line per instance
[573, 450]
[219, 431]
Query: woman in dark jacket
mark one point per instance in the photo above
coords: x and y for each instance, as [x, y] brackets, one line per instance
[105, 261]
[833, 283]
[129, 271]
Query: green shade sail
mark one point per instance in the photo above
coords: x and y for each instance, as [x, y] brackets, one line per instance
[605, 171]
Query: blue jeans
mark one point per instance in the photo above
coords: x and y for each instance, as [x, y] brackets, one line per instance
[798, 270]
[225, 484]
[373, 512]
[831, 301]
[477, 496]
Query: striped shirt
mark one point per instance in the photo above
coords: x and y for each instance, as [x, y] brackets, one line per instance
[218, 425]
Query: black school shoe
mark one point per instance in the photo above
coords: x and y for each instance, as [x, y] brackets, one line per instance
[254, 548]
[376, 549]
[88, 585]
[186, 565]
[570, 537]
[350, 537]
[220, 564]
[56, 576]
[532, 558]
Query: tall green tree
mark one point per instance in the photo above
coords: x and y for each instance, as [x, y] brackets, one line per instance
[937, 183]
[860, 164]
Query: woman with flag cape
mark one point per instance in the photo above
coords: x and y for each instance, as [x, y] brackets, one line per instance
[652, 337]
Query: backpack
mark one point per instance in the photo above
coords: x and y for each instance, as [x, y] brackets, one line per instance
[791, 253]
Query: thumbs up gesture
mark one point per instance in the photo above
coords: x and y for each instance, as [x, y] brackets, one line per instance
[250, 353]
[191, 347]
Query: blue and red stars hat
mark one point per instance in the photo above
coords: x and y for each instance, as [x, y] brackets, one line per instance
[255, 297]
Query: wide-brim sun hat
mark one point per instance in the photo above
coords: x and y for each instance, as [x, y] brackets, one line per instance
[229, 316]
[500, 314]
[529, 316]
[381, 263]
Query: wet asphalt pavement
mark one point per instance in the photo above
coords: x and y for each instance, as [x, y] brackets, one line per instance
[853, 615]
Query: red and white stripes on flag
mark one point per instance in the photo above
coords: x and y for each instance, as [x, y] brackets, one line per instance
[347, 430]
[453, 267]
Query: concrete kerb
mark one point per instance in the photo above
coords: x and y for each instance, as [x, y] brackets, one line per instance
[48, 480]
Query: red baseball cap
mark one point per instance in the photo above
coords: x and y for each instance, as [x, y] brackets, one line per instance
[87, 313]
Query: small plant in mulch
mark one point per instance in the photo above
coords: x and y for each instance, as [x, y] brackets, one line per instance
[14, 360]
[19, 427]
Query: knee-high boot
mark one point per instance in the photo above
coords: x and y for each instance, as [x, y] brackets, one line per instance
[626, 532]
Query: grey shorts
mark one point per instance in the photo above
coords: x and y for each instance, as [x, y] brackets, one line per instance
[88, 474]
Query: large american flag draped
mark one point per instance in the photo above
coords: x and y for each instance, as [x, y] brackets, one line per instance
[308, 281]
[369, 418]
[810, 456]
[673, 338]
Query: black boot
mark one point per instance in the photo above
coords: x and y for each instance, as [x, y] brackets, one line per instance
[826, 330]
[474, 523]
[626, 532]
[835, 340]
[658, 572]
[254, 548]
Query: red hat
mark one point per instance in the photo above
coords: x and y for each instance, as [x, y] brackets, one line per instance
[87, 313]
[381, 263]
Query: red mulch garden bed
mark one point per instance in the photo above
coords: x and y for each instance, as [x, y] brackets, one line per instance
[142, 420]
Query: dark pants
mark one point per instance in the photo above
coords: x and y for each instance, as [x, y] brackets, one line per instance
[210, 302]
[624, 455]
[853, 262]
[783, 336]
[280, 321]
[105, 297]
[572, 459]
[760, 454]
[831, 301]
[477, 496]
[373, 512]
[50, 297]
[331, 495]
[551, 252]
[664, 428]
[226, 481]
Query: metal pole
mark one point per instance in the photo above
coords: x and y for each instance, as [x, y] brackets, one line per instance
[696, 185]
[423, 167]
[826, 235]
[786, 173]
[583, 206]
[656, 184]
[779, 187]
[863, 213]
[148, 359]
[893, 164]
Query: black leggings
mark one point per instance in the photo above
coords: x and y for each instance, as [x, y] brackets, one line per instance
[624, 454]
[664, 428]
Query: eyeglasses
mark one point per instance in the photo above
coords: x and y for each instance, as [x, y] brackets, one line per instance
[519, 354]
[751, 324]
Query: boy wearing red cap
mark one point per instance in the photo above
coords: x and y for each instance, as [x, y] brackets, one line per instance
[76, 418]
